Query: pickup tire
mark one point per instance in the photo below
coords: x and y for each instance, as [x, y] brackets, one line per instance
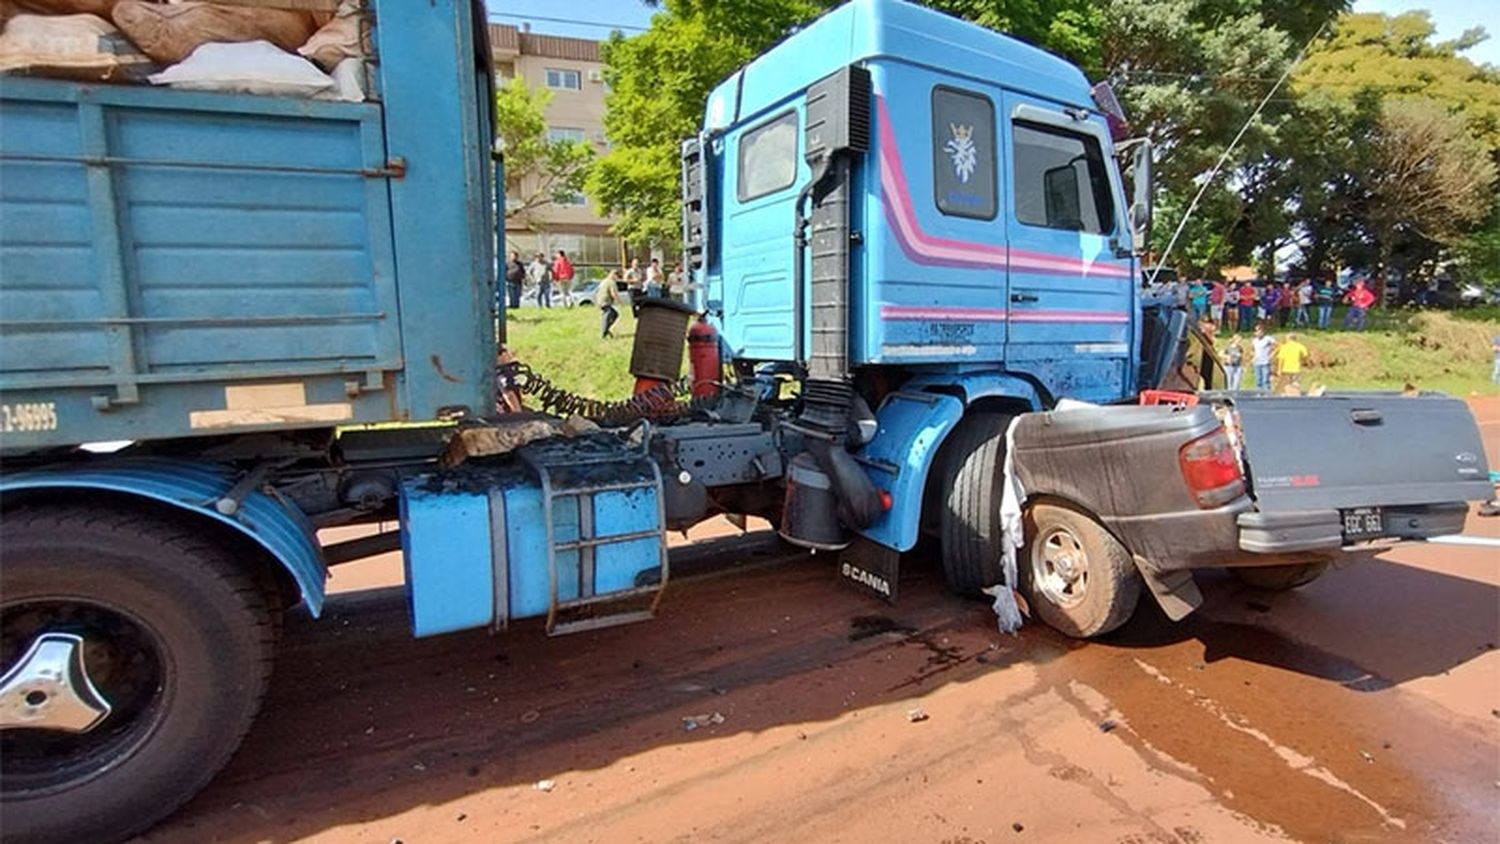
[1076, 575]
[973, 477]
[176, 637]
[1281, 578]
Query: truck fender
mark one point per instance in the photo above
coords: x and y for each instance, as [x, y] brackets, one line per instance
[194, 486]
[976, 386]
[912, 427]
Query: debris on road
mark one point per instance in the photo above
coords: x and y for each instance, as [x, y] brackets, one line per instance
[693, 722]
[916, 714]
[1017, 826]
[545, 785]
[1107, 725]
[529, 716]
[1366, 756]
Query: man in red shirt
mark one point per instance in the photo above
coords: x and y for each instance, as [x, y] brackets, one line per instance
[1216, 293]
[562, 273]
[1360, 300]
[1248, 298]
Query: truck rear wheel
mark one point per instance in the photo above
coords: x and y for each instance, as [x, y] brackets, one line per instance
[1077, 576]
[1281, 578]
[973, 475]
[165, 645]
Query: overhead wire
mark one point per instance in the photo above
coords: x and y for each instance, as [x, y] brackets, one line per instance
[1219, 165]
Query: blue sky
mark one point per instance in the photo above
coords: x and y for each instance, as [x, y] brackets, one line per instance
[1451, 16]
[622, 13]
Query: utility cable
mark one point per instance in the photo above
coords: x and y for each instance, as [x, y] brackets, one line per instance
[1219, 165]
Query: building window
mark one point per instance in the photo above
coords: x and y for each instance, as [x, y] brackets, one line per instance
[1061, 180]
[768, 157]
[571, 198]
[963, 153]
[563, 78]
[564, 133]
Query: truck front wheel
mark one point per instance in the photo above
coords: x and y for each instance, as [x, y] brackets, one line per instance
[1077, 576]
[973, 477]
[134, 656]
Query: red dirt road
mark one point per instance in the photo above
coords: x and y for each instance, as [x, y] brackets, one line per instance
[1365, 707]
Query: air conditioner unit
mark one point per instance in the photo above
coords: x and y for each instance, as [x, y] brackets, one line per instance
[596, 75]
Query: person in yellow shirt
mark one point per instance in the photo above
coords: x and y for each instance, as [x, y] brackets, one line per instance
[1290, 356]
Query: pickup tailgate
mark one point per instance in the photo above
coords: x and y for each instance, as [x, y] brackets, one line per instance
[1361, 450]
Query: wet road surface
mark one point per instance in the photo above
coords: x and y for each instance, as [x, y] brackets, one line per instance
[1365, 707]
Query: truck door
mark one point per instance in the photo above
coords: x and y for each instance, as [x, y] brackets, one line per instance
[1070, 271]
[763, 166]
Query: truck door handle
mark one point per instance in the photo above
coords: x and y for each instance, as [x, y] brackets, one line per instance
[1365, 416]
[1023, 297]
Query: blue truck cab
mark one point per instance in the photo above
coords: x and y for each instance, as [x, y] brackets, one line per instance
[915, 267]
[990, 229]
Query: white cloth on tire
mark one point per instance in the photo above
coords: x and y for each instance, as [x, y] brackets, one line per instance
[1008, 616]
[1007, 612]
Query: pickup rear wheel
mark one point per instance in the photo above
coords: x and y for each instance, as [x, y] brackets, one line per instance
[973, 477]
[1281, 578]
[133, 656]
[1078, 577]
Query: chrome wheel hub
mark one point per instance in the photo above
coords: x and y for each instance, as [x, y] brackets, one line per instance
[1059, 567]
[49, 688]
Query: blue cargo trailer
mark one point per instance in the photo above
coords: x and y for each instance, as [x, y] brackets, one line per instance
[911, 241]
[181, 264]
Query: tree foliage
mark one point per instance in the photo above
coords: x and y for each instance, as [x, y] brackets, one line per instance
[659, 81]
[538, 170]
[1432, 181]
[1394, 120]
[1305, 180]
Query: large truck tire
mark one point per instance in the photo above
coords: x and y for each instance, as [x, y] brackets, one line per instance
[173, 635]
[1282, 578]
[973, 477]
[1078, 578]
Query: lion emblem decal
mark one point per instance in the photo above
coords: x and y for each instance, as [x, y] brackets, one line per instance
[962, 151]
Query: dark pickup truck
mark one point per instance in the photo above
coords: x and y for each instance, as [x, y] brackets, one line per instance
[1274, 487]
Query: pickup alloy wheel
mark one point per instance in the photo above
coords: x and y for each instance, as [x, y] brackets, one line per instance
[1078, 577]
[133, 656]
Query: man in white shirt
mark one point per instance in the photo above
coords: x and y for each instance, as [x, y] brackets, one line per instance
[1263, 346]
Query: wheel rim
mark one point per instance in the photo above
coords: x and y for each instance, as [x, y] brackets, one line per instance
[1059, 567]
[122, 660]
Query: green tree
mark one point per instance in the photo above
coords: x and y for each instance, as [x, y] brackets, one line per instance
[659, 82]
[1432, 181]
[538, 170]
[1397, 56]
[1356, 98]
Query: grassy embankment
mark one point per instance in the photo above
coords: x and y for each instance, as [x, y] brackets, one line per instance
[1432, 350]
[1447, 351]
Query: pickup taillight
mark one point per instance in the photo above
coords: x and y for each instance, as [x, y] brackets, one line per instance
[1212, 470]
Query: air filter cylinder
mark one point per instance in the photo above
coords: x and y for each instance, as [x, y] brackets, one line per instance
[660, 339]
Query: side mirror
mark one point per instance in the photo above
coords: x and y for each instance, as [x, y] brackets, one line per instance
[1141, 194]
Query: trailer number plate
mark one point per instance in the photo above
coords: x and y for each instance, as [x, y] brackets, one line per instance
[27, 417]
[1363, 523]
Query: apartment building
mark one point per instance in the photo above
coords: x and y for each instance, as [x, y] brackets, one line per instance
[571, 69]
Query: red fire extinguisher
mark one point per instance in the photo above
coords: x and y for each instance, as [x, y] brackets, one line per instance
[703, 356]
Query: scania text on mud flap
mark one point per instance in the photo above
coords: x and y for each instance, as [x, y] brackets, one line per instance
[914, 278]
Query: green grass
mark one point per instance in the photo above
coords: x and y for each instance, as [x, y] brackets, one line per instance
[1433, 350]
[563, 344]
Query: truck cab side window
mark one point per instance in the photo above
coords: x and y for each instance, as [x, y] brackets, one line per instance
[768, 158]
[963, 153]
[1061, 180]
